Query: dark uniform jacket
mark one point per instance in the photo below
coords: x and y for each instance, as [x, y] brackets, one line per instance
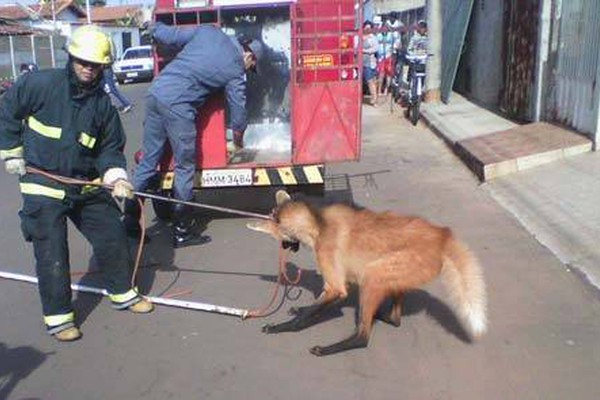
[208, 61]
[60, 128]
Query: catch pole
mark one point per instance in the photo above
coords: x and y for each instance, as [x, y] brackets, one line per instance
[191, 305]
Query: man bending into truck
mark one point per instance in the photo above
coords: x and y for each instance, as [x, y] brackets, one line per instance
[208, 61]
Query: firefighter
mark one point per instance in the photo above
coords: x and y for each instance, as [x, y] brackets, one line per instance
[62, 122]
[208, 61]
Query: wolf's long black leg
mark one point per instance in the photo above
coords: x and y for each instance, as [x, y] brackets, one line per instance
[357, 340]
[305, 310]
[370, 300]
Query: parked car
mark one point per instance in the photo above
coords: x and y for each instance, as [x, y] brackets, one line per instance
[136, 64]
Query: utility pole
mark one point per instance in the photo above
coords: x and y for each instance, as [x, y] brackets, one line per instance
[52, 56]
[53, 5]
[87, 11]
[435, 26]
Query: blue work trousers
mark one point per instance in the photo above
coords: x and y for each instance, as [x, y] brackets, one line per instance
[162, 124]
[111, 88]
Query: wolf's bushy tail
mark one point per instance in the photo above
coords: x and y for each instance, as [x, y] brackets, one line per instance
[463, 279]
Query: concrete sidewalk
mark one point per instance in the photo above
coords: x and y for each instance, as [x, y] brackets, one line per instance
[558, 201]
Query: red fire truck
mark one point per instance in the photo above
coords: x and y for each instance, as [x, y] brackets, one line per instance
[304, 107]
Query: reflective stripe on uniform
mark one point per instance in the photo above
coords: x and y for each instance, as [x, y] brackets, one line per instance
[124, 300]
[16, 152]
[39, 190]
[87, 140]
[44, 130]
[55, 320]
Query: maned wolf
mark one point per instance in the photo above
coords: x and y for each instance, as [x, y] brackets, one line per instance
[385, 254]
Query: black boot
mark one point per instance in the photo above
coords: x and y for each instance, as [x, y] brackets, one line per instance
[185, 228]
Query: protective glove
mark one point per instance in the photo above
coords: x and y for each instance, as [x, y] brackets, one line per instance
[122, 189]
[15, 166]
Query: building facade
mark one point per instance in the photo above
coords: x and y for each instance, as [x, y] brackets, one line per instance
[536, 60]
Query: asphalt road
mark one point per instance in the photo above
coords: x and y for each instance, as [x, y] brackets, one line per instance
[543, 341]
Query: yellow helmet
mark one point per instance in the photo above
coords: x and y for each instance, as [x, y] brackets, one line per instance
[88, 43]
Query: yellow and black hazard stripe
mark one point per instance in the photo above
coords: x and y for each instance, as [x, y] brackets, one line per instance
[296, 175]
[270, 176]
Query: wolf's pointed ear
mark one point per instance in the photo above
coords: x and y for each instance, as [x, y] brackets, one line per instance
[269, 227]
[281, 197]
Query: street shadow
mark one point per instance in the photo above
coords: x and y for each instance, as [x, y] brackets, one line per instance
[16, 364]
[414, 302]
[157, 255]
[85, 303]
[418, 301]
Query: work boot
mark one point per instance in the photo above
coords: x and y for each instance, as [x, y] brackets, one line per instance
[185, 228]
[68, 335]
[143, 306]
[185, 238]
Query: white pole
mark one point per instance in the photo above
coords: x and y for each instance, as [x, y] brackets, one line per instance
[156, 300]
[33, 55]
[52, 51]
[543, 39]
[435, 25]
[87, 11]
[53, 15]
[12, 57]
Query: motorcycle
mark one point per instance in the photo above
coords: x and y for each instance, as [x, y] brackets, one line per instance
[409, 93]
[416, 81]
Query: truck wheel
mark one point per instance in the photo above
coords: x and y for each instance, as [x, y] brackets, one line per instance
[162, 209]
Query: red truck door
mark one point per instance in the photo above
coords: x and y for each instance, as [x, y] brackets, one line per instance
[326, 80]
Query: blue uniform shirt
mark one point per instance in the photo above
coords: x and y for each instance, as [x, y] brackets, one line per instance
[209, 60]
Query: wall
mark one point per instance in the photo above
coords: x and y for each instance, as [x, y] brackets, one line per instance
[480, 74]
[115, 33]
[28, 49]
[572, 92]
[385, 6]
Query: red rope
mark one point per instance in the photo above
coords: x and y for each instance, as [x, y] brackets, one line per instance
[81, 182]
[282, 277]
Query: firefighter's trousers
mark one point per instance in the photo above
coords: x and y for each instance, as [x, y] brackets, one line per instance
[162, 124]
[97, 217]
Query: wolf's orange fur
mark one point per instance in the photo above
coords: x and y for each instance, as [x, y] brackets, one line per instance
[385, 255]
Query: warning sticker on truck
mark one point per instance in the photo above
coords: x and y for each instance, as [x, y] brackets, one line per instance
[317, 60]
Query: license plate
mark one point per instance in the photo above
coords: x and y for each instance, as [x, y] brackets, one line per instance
[218, 178]
[131, 74]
